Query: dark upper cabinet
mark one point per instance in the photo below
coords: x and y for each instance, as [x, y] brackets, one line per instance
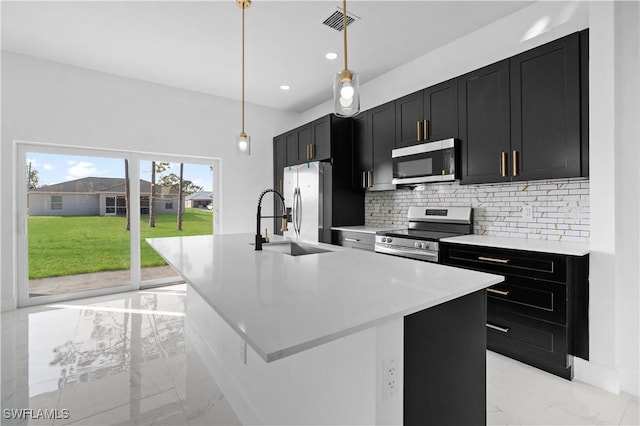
[279, 161]
[428, 115]
[526, 118]
[483, 98]
[363, 155]
[409, 119]
[374, 137]
[291, 147]
[321, 138]
[312, 141]
[304, 141]
[440, 111]
[584, 100]
[382, 121]
[545, 111]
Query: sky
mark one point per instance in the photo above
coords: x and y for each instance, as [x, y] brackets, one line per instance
[54, 168]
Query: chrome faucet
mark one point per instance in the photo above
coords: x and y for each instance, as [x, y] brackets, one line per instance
[286, 217]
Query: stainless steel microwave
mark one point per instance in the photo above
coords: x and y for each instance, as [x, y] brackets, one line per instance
[426, 162]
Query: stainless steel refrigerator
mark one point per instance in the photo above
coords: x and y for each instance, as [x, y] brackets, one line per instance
[303, 193]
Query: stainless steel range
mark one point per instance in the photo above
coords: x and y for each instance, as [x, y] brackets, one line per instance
[427, 225]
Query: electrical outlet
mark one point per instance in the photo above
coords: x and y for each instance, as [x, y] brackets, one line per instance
[243, 352]
[389, 378]
[527, 212]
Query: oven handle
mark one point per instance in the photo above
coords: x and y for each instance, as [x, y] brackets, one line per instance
[407, 252]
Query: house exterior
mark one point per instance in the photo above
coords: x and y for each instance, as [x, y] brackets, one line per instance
[199, 199]
[96, 196]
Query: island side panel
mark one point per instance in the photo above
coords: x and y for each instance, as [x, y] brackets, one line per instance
[335, 383]
[445, 363]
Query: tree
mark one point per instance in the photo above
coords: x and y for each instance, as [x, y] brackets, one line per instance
[180, 189]
[34, 178]
[156, 167]
[173, 181]
[127, 194]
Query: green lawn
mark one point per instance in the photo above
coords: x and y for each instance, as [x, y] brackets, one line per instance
[69, 245]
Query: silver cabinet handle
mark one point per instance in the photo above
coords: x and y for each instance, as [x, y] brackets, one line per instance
[352, 240]
[500, 292]
[498, 328]
[493, 259]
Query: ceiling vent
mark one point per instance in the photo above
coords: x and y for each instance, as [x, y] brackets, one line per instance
[336, 20]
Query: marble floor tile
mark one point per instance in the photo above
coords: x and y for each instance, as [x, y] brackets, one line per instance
[127, 359]
[631, 414]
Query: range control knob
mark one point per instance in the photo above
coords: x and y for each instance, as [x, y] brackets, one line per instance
[425, 246]
[417, 245]
[389, 239]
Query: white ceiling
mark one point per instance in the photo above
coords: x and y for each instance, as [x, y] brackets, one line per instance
[196, 45]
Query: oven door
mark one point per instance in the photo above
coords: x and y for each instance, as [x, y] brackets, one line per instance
[427, 162]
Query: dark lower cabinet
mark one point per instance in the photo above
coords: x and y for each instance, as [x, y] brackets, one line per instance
[353, 239]
[539, 314]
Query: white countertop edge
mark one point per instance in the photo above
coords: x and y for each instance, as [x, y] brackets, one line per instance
[284, 352]
[525, 244]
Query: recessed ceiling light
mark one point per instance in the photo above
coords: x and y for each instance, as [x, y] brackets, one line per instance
[285, 87]
[331, 56]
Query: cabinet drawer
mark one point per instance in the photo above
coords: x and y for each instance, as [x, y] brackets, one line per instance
[359, 240]
[534, 298]
[546, 266]
[534, 342]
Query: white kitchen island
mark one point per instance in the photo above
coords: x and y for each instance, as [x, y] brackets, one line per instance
[339, 337]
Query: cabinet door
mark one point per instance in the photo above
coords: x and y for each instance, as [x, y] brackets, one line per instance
[409, 119]
[363, 156]
[291, 145]
[441, 111]
[484, 124]
[304, 143]
[584, 100]
[279, 155]
[382, 122]
[545, 111]
[321, 138]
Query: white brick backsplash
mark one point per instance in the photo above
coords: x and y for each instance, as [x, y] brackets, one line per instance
[560, 207]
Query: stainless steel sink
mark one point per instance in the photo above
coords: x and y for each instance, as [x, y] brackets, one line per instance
[294, 249]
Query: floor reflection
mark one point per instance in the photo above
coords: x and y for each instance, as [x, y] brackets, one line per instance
[119, 359]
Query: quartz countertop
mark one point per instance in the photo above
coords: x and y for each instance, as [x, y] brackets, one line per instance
[281, 304]
[527, 244]
[363, 228]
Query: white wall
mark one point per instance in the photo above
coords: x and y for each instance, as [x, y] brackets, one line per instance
[50, 102]
[613, 155]
[627, 178]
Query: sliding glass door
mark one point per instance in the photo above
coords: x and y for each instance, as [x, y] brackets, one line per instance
[171, 212]
[84, 215]
[76, 234]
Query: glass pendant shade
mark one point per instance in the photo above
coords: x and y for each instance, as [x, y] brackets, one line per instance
[346, 95]
[243, 144]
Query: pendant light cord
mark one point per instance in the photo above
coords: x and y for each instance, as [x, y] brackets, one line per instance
[243, 9]
[344, 30]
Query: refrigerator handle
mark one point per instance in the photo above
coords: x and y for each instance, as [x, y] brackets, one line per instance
[299, 212]
[295, 211]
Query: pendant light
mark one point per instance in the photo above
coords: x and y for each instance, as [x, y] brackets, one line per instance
[243, 141]
[346, 95]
